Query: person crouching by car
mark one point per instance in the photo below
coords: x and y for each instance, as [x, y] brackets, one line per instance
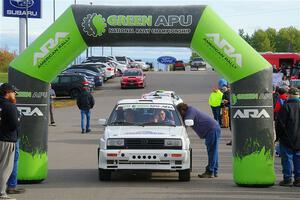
[85, 103]
[206, 128]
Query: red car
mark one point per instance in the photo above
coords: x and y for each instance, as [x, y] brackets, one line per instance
[133, 78]
[179, 65]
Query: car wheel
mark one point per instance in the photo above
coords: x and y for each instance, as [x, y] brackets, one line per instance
[104, 174]
[74, 93]
[185, 175]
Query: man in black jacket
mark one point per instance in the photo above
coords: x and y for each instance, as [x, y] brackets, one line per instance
[85, 103]
[288, 134]
[9, 125]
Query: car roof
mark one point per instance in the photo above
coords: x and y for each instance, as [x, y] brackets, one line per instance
[145, 101]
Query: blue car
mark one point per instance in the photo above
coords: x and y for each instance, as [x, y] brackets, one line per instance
[97, 77]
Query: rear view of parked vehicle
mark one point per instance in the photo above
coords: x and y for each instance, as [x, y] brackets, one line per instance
[97, 77]
[69, 84]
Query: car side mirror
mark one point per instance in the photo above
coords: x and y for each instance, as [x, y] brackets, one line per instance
[102, 122]
[189, 122]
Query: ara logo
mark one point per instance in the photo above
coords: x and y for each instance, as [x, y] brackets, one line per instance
[228, 49]
[28, 111]
[50, 44]
[21, 3]
[251, 113]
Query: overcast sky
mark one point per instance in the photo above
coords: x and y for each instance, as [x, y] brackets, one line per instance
[249, 15]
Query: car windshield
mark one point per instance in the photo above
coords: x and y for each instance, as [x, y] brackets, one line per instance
[132, 73]
[197, 59]
[144, 115]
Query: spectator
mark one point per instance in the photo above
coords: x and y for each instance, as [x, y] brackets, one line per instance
[9, 126]
[85, 103]
[215, 100]
[288, 134]
[285, 83]
[208, 129]
[275, 70]
[222, 82]
[280, 100]
[52, 96]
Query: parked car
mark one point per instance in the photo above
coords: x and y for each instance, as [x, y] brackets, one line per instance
[109, 70]
[119, 67]
[179, 65]
[94, 59]
[133, 78]
[134, 140]
[163, 94]
[123, 60]
[92, 67]
[140, 65]
[97, 77]
[69, 84]
[198, 64]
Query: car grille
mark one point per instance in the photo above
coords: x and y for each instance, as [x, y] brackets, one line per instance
[144, 143]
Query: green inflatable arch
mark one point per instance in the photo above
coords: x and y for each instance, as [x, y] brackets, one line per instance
[197, 27]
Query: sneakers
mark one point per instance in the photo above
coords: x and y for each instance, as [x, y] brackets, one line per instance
[4, 196]
[82, 131]
[286, 183]
[297, 183]
[52, 124]
[207, 175]
[15, 190]
[88, 130]
[229, 143]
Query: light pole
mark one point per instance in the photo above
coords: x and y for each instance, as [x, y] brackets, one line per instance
[53, 10]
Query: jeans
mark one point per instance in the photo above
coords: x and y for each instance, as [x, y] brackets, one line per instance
[216, 112]
[87, 114]
[290, 161]
[212, 140]
[13, 179]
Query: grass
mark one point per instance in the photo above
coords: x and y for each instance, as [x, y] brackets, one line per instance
[3, 77]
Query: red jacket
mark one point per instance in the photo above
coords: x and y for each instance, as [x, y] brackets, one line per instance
[278, 104]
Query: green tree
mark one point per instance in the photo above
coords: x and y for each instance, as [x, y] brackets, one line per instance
[272, 35]
[5, 58]
[245, 36]
[260, 41]
[288, 40]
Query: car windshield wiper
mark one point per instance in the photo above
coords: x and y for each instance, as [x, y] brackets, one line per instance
[121, 123]
[156, 124]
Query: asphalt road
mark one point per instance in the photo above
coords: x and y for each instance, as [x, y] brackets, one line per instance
[73, 156]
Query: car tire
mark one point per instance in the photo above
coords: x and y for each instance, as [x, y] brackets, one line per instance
[74, 93]
[104, 174]
[184, 175]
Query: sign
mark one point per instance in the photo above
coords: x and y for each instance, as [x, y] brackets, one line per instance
[21, 8]
[166, 60]
[277, 78]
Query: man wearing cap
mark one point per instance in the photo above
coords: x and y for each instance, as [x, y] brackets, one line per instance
[288, 134]
[9, 125]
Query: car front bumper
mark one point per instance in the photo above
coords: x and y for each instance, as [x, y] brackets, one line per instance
[156, 160]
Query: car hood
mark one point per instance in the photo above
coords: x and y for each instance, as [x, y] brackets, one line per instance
[144, 132]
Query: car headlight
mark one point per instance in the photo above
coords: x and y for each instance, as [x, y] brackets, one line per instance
[173, 143]
[115, 142]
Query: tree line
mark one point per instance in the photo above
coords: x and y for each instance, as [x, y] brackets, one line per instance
[283, 40]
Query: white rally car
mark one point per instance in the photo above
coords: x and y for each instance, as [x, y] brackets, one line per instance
[143, 134]
[163, 94]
